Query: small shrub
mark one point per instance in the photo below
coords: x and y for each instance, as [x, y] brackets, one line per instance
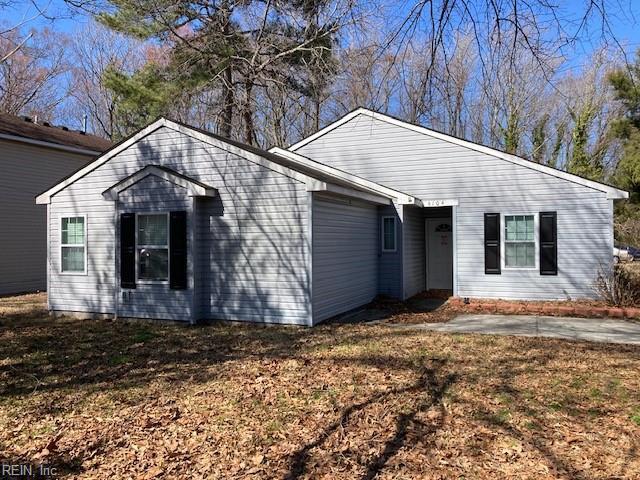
[618, 287]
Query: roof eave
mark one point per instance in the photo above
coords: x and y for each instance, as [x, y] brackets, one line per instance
[52, 145]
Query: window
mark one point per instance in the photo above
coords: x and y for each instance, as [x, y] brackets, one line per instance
[73, 247]
[388, 234]
[152, 247]
[519, 241]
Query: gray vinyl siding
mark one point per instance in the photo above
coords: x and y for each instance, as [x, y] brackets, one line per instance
[250, 245]
[431, 168]
[345, 255]
[390, 263]
[414, 271]
[27, 170]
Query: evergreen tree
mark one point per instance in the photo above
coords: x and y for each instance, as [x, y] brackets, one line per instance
[539, 139]
[231, 48]
[581, 162]
[627, 128]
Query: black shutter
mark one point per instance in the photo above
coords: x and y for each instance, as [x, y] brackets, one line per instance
[492, 243]
[178, 250]
[548, 243]
[128, 250]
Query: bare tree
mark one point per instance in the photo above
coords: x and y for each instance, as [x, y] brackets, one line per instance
[30, 76]
[93, 51]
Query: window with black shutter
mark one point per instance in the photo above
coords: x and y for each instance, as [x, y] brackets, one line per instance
[128, 250]
[548, 243]
[178, 250]
[492, 243]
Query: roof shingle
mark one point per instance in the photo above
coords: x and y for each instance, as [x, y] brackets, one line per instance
[20, 127]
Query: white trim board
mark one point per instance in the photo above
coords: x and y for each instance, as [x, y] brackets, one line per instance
[312, 184]
[61, 245]
[195, 189]
[612, 192]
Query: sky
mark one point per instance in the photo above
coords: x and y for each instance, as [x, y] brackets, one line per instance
[624, 16]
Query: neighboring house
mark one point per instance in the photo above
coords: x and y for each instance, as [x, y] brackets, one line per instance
[178, 223]
[33, 157]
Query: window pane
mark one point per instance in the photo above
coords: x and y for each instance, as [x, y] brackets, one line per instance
[521, 260]
[530, 256]
[153, 264]
[65, 231]
[520, 235]
[73, 231]
[510, 249]
[152, 230]
[519, 228]
[389, 240]
[73, 259]
[520, 254]
[529, 220]
[510, 225]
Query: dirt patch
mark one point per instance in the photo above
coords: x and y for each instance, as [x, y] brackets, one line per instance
[101, 399]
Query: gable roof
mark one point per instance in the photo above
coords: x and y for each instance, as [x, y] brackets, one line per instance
[195, 187]
[314, 179]
[25, 129]
[612, 192]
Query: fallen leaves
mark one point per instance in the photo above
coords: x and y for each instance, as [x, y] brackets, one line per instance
[348, 401]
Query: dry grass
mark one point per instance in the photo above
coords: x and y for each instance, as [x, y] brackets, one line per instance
[634, 269]
[106, 399]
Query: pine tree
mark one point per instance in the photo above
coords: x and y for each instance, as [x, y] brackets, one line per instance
[233, 49]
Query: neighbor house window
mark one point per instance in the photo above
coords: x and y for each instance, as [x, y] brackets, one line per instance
[73, 246]
[388, 234]
[152, 247]
[519, 241]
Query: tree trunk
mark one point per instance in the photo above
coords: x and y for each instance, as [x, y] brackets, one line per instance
[227, 110]
[248, 113]
[316, 120]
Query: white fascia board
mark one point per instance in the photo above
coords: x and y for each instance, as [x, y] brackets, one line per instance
[194, 189]
[612, 192]
[350, 192]
[55, 146]
[373, 187]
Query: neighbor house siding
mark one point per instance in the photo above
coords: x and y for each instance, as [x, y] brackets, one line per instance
[251, 253]
[27, 170]
[345, 255]
[431, 168]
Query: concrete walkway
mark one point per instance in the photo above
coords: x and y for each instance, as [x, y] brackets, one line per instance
[589, 329]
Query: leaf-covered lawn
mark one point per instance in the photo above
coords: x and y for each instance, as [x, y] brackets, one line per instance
[105, 399]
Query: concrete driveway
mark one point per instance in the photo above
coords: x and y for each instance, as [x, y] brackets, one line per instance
[589, 329]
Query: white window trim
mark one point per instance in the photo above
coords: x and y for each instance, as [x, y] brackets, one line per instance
[167, 246]
[395, 234]
[84, 221]
[503, 240]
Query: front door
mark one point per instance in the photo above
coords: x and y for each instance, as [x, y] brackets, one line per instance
[439, 239]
